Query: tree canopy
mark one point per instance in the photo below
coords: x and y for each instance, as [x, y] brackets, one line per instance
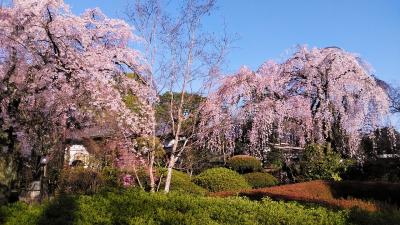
[317, 95]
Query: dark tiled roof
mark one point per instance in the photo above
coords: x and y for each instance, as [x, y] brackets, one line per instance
[91, 132]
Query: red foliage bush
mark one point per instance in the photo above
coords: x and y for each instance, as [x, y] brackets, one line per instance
[320, 192]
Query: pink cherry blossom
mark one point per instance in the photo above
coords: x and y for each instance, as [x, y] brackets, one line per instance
[308, 98]
[60, 71]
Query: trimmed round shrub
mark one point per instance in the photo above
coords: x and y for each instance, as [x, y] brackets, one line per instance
[244, 164]
[221, 179]
[182, 182]
[260, 180]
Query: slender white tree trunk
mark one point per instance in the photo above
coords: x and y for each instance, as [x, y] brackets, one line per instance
[171, 165]
[151, 161]
[151, 172]
[186, 78]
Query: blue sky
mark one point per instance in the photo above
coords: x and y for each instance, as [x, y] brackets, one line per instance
[270, 29]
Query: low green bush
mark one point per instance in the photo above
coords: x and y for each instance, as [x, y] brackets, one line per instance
[112, 177]
[81, 180]
[221, 179]
[181, 182]
[138, 207]
[244, 164]
[20, 213]
[260, 180]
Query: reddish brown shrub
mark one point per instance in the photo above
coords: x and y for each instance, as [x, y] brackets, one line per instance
[320, 192]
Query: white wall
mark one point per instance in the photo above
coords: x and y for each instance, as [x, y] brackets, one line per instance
[78, 152]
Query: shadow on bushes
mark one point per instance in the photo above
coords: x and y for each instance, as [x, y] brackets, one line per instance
[379, 191]
[386, 214]
[362, 217]
[60, 211]
[384, 170]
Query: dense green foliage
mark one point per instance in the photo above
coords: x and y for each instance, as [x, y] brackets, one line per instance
[146, 144]
[137, 207]
[260, 180]
[81, 181]
[379, 169]
[275, 158]
[112, 177]
[88, 181]
[168, 103]
[221, 179]
[321, 162]
[244, 163]
[181, 182]
[8, 175]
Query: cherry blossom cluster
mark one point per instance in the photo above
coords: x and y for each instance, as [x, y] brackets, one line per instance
[69, 70]
[317, 95]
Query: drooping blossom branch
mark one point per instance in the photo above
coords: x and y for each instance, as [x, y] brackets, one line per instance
[317, 95]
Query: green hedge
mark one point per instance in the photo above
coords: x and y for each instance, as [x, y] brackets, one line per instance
[244, 164]
[181, 182]
[137, 207]
[221, 179]
[260, 180]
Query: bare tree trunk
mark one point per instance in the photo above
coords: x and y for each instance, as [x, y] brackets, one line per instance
[151, 170]
[171, 165]
[184, 48]
[137, 177]
[188, 75]
[152, 159]
[146, 17]
[174, 158]
[159, 182]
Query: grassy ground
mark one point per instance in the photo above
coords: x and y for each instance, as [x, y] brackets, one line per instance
[137, 207]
